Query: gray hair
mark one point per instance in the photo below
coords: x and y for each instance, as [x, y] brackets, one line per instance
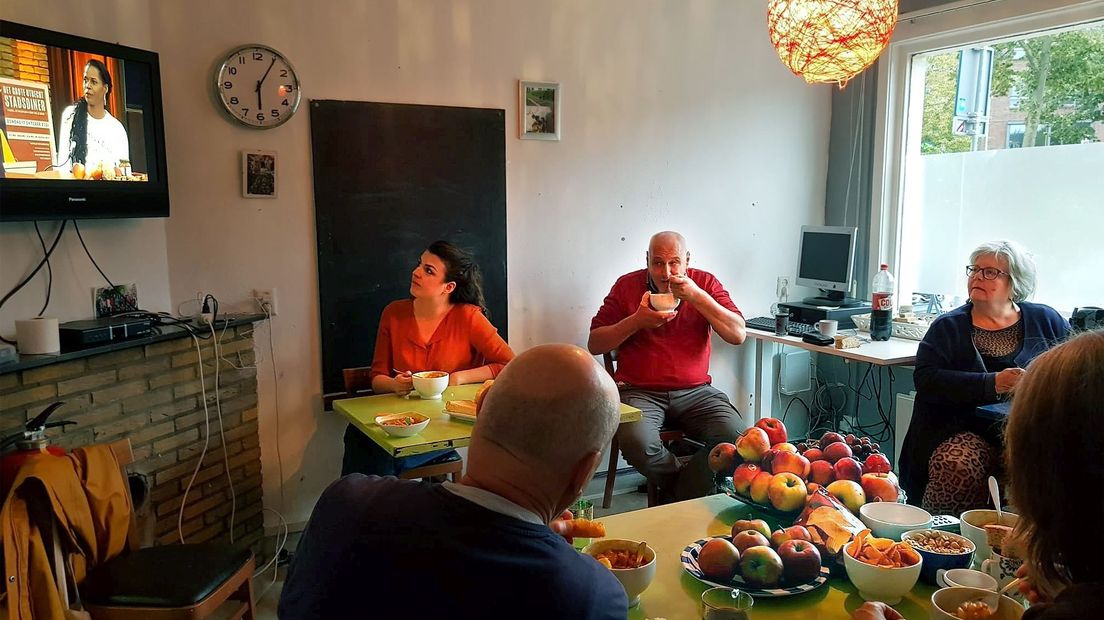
[1021, 266]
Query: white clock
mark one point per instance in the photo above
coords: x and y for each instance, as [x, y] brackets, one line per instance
[257, 87]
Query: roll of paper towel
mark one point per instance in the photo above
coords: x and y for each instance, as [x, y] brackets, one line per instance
[38, 335]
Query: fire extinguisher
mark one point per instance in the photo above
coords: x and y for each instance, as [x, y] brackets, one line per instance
[30, 443]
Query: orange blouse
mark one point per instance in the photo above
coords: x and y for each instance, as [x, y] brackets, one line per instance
[465, 339]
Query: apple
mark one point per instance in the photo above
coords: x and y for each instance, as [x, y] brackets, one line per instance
[876, 464]
[837, 451]
[767, 462]
[790, 462]
[830, 438]
[800, 561]
[96, 173]
[743, 475]
[848, 469]
[848, 492]
[787, 492]
[755, 525]
[78, 170]
[813, 454]
[880, 487]
[785, 446]
[759, 486]
[811, 487]
[753, 444]
[722, 458]
[794, 532]
[718, 559]
[775, 429]
[761, 567]
[821, 472]
[747, 539]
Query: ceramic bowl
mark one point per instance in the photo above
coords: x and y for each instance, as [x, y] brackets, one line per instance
[934, 561]
[944, 603]
[430, 384]
[402, 424]
[890, 519]
[634, 580]
[972, 527]
[664, 301]
[880, 583]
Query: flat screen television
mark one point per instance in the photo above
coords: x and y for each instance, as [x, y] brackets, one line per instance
[81, 127]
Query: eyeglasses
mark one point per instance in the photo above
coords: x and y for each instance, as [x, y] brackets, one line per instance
[989, 273]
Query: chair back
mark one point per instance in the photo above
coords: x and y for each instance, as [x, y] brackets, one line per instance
[358, 381]
[124, 454]
[609, 360]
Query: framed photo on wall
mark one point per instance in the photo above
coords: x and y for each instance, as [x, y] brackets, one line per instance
[539, 110]
[259, 174]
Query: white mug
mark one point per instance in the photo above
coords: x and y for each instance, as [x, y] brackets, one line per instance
[965, 577]
[827, 327]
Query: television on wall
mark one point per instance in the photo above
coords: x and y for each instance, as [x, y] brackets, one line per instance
[81, 127]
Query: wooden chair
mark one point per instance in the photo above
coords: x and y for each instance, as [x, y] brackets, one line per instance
[358, 382]
[170, 582]
[666, 435]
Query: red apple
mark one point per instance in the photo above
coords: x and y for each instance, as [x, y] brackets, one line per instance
[813, 454]
[821, 472]
[811, 487]
[722, 458]
[767, 462]
[790, 462]
[848, 492]
[753, 444]
[775, 429]
[787, 492]
[785, 446]
[718, 559]
[800, 561]
[794, 532]
[761, 567]
[876, 464]
[759, 486]
[747, 539]
[754, 525]
[742, 477]
[829, 438]
[848, 469]
[880, 487]
[837, 451]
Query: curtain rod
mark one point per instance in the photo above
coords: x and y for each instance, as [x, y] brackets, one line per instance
[917, 15]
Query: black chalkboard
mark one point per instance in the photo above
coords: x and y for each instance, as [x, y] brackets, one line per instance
[389, 179]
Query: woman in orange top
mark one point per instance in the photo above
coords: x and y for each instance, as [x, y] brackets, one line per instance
[443, 327]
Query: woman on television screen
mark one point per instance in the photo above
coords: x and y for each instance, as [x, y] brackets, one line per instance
[90, 135]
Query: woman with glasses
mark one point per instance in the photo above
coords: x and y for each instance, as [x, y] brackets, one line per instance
[971, 356]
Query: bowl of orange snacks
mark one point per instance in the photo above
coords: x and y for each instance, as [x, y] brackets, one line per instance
[882, 570]
[632, 562]
[402, 424]
[973, 604]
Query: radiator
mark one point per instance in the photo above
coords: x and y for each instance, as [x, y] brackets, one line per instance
[901, 422]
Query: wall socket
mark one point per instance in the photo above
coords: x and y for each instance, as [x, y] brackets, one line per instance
[266, 297]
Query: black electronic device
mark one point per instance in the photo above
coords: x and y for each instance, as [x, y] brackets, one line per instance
[117, 168]
[826, 260]
[766, 324]
[94, 332]
[814, 337]
[809, 314]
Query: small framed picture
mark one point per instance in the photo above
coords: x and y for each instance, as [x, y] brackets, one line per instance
[259, 174]
[110, 301]
[539, 110]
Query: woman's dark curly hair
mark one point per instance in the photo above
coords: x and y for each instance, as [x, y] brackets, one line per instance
[461, 268]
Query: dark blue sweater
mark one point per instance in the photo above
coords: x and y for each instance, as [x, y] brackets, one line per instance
[387, 548]
[952, 381]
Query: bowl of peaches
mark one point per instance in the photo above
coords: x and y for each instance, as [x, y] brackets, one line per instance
[633, 563]
[402, 424]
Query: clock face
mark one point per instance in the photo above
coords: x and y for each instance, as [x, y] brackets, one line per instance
[258, 87]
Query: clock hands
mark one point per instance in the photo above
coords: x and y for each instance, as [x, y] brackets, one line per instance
[261, 81]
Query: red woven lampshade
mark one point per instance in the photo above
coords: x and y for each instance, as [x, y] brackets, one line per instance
[830, 40]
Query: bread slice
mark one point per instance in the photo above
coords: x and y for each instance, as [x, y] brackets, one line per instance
[482, 393]
[466, 407]
[997, 535]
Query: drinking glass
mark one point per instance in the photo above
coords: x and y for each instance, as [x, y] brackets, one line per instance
[581, 509]
[726, 604]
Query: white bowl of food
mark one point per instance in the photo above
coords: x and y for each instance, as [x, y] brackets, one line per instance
[430, 384]
[402, 424]
[890, 519]
[664, 302]
[945, 604]
[973, 524]
[635, 574]
[887, 584]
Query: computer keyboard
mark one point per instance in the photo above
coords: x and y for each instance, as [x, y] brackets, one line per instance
[766, 323]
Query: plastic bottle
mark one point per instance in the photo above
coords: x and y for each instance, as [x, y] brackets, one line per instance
[882, 306]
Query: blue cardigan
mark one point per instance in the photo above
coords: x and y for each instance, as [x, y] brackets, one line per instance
[952, 380]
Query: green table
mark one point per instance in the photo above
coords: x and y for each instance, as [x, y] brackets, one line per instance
[442, 433]
[676, 595]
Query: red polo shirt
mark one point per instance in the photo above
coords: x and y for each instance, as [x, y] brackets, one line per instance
[670, 357]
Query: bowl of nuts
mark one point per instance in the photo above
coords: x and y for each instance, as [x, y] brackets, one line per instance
[939, 550]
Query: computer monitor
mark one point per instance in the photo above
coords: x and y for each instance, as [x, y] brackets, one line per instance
[827, 261]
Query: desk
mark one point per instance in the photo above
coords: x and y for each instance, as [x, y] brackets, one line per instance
[442, 433]
[892, 352]
[675, 594]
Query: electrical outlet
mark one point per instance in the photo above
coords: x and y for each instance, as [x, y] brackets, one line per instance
[266, 298]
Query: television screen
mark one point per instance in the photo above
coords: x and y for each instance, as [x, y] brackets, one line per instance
[81, 128]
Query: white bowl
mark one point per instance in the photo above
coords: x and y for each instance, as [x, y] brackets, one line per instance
[944, 603]
[634, 580]
[965, 578]
[890, 519]
[972, 527]
[406, 430]
[430, 384]
[880, 583]
[664, 301]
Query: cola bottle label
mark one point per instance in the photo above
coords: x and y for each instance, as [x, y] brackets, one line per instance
[882, 301]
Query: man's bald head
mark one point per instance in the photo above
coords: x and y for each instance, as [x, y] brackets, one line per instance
[553, 404]
[667, 240]
[667, 256]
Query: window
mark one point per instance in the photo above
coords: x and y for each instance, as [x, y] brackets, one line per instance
[953, 176]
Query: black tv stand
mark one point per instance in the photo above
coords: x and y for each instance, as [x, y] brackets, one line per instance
[833, 301]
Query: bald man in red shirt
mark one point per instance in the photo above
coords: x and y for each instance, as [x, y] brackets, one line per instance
[663, 357]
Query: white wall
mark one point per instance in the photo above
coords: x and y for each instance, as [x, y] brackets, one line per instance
[676, 115]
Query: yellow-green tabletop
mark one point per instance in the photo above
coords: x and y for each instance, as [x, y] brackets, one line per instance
[442, 432]
[675, 594]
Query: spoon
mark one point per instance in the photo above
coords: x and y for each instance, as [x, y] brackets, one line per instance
[639, 553]
[994, 491]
